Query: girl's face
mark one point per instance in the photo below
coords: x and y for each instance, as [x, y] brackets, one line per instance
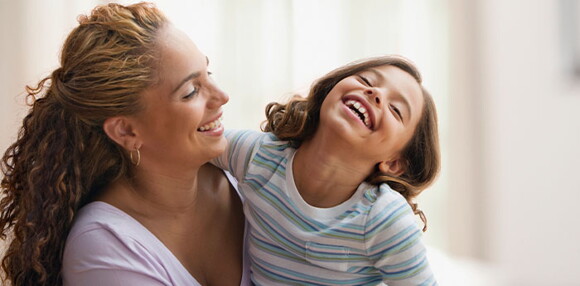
[374, 112]
[181, 119]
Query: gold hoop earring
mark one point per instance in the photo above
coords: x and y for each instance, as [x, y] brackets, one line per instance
[138, 157]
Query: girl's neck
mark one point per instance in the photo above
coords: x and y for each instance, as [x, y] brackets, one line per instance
[326, 174]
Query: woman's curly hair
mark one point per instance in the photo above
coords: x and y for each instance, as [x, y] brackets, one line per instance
[62, 157]
[298, 119]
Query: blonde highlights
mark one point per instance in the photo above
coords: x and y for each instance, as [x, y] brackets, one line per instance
[62, 157]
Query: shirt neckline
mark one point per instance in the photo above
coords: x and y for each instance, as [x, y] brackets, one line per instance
[318, 212]
[151, 237]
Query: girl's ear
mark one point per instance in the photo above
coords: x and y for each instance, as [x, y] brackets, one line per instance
[395, 167]
[121, 130]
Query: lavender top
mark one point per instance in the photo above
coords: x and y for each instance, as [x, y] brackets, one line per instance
[106, 246]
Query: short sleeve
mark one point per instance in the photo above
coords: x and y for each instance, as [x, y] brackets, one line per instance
[241, 146]
[100, 257]
[394, 243]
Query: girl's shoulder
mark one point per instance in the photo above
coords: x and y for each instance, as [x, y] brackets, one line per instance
[383, 194]
[259, 139]
[271, 141]
[389, 204]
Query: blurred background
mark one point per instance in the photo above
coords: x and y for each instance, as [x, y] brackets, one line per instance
[505, 76]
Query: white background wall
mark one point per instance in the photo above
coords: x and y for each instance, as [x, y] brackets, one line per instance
[515, 138]
[531, 144]
[511, 201]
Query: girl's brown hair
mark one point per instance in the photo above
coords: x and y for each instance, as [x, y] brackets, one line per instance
[298, 119]
[62, 157]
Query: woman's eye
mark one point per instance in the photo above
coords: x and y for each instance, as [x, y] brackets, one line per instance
[191, 94]
[365, 80]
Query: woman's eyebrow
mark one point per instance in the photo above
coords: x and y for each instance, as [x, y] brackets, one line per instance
[188, 78]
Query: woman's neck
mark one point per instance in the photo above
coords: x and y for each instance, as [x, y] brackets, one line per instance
[325, 173]
[154, 194]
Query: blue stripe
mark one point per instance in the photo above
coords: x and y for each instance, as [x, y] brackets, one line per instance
[386, 247]
[373, 240]
[293, 277]
[279, 204]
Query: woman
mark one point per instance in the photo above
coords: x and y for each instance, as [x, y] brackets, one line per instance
[107, 183]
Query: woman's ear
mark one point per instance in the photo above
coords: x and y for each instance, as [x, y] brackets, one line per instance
[395, 167]
[121, 130]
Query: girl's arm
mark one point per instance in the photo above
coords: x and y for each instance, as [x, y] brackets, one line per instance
[393, 242]
[238, 153]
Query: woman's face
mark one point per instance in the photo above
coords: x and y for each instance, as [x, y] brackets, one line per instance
[375, 111]
[180, 124]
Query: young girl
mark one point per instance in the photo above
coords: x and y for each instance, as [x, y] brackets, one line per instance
[329, 187]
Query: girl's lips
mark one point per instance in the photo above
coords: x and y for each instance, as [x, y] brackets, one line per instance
[365, 104]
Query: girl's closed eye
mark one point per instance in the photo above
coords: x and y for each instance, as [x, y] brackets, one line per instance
[365, 80]
[397, 111]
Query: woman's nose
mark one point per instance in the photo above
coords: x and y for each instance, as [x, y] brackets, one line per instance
[218, 97]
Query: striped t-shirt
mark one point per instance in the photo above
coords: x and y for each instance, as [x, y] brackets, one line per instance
[372, 237]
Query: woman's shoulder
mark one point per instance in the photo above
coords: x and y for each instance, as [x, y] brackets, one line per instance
[213, 178]
[100, 215]
[216, 180]
[99, 226]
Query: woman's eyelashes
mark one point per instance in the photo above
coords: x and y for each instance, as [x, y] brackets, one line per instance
[192, 93]
[195, 90]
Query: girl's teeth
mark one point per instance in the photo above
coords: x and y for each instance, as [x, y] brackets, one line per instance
[358, 106]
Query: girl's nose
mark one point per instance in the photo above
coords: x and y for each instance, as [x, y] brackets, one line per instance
[373, 95]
